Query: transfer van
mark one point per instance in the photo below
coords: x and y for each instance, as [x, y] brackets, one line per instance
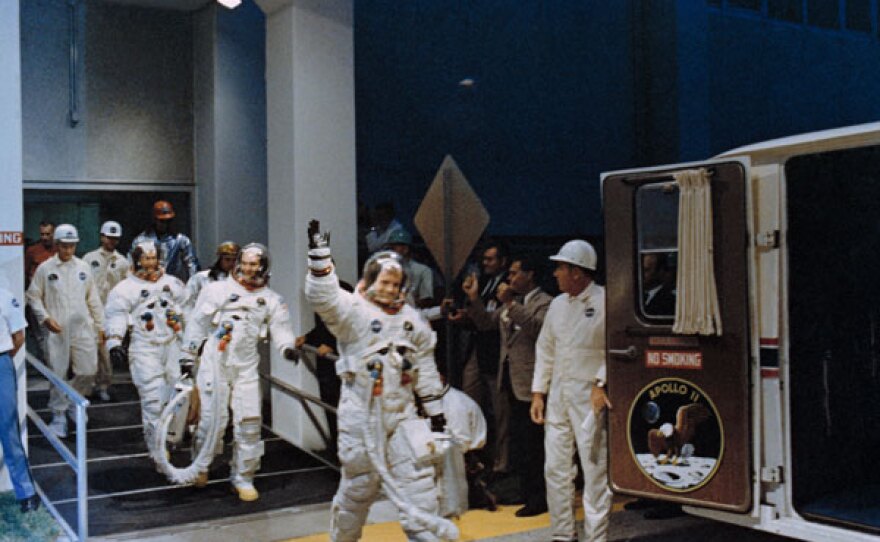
[743, 334]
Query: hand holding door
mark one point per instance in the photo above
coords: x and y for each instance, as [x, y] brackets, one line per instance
[599, 399]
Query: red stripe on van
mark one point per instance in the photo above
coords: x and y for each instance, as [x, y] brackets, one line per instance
[769, 372]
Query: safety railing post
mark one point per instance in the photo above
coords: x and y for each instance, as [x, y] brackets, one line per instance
[82, 474]
[77, 462]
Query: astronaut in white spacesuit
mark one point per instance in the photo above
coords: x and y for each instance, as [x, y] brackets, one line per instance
[230, 317]
[65, 299]
[386, 358]
[227, 253]
[151, 301]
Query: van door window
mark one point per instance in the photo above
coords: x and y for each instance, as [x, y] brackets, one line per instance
[657, 238]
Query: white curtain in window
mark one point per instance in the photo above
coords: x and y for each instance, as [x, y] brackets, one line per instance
[696, 307]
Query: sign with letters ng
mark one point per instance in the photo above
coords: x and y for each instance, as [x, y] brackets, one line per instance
[11, 238]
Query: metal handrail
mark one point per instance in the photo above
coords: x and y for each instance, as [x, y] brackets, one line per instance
[305, 396]
[77, 463]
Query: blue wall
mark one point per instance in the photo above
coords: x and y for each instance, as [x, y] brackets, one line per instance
[771, 78]
[565, 90]
[551, 106]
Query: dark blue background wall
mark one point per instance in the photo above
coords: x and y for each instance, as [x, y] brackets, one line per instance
[565, 90]
[552, 104]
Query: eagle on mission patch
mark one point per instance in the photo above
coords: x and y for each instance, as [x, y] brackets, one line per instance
[669, 440]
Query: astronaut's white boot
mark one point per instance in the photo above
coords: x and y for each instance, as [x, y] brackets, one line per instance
[245, 489]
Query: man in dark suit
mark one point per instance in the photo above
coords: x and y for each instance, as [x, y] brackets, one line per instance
[658, 285]
[519, 317]
[483, 346]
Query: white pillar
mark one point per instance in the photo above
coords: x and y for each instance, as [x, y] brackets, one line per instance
[230, 124]
[11, 220]
[311, 165]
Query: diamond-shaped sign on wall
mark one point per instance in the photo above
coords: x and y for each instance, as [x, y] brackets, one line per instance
[451, 218]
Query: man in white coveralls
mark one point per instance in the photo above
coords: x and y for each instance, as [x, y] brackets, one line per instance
[151, 301]
[109, 268]
[386, 358]
[570, 366]
[64, 298]
[233, 315]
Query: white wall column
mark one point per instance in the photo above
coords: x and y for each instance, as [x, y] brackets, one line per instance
[311, 165]
[11, 220]
[230, 126]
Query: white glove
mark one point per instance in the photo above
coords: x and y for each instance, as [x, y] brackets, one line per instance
[320, 261]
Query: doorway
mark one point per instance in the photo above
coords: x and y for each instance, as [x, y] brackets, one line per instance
[834, 334]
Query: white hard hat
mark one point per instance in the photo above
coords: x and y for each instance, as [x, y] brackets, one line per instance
[111, 229]
[66, 233]
[577, 252]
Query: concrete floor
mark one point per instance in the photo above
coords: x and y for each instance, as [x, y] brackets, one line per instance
[309, 524]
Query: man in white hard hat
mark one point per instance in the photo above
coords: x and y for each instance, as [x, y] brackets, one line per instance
[570, 368]
[65, 299]
[109, 268]
[151, 301]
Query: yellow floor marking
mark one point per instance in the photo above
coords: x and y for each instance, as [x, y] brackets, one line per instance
[474, 525]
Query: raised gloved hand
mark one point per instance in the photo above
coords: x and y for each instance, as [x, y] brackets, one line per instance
[187, 367]
[320, 262]
[118, 356]
[438, 423]
[291, 355]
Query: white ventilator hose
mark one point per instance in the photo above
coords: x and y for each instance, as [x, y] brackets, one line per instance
[441, 527]
[205, 455]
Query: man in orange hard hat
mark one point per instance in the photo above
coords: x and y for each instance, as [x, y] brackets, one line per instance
[176, 252]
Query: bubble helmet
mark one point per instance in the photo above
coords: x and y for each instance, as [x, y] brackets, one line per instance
[261, 277]
[385, 260]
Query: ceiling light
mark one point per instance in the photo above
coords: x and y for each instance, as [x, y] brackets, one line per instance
[229, 3]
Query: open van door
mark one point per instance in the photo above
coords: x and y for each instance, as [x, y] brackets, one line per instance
[680, 426]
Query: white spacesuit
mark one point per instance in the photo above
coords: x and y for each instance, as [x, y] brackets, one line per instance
[64, 298]
[150, 301]
[386, 356]
[234, 315]
[464, 419]
[227, 252]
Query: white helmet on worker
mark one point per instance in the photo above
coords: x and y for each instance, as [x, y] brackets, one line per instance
[577, 252]
[66, 233]
[111, 228]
